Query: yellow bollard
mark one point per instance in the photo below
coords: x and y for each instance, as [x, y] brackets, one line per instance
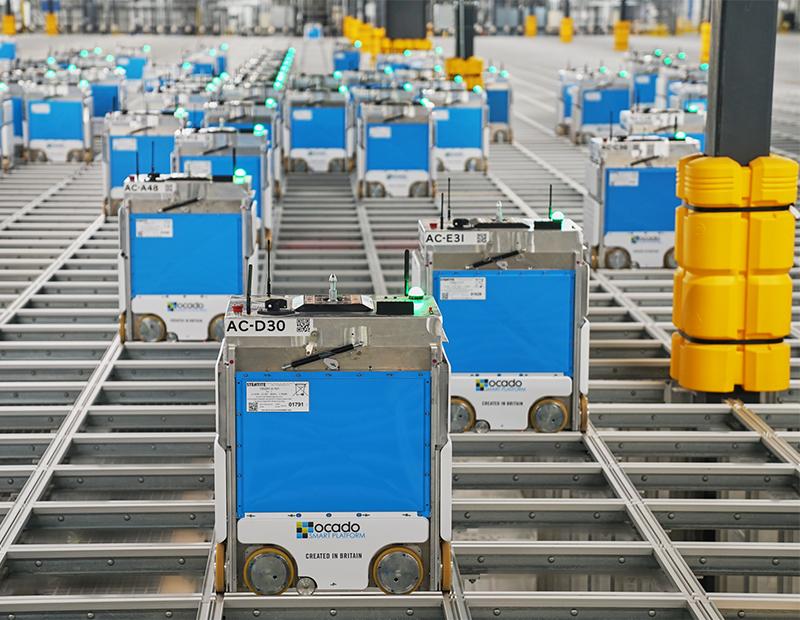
[9, 24]
[732, 295]
[531, 26]
[622, 32]
[565, 31]
[51, 23]
[705, 41]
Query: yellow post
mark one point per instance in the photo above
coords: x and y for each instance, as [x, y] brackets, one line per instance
[9, 24]
[565, 31]
[705, 41]
[531, 26]
[622, 32]
[51, 23]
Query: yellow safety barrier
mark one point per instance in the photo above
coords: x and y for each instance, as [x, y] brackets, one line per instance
[9, 24]
[732, 294]
[622, 33]
[51, 23]
[705, 41]
[531, 26]
[470, 70]
[565, 31]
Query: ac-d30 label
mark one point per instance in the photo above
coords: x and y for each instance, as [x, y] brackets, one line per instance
[267, 326]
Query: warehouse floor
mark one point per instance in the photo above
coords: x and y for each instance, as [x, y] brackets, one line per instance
[667, 507]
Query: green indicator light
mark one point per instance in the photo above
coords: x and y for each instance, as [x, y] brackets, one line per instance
[387, 69]
[438, 50]
[50, 73]
[180, 113]
[668, 61]
[557, 215]
[407, 86]
[212, 52]
[477, 88]
[704, 66]
[224, 47]
[270, 103]
[407, 53]
[657, 53]
[424, 101]
[458, 79]
[209, 87]
[415, 292]
[292, 51]
[224, 75]
[72, 68]
[343, 89]
[681, 55]
[84, 53]
[281, 76]
[692, 108]
[337, 75]
[357, 44]
[438, 68]
[83, 83]
[3, 86]
[146, 48]
[51, 60]
[278, 86]
[623, 73]
[603, 69]
[492, 69]
[98, 51]
[680, 135]
[504, 73]
[187, 65]
[258, 130]
[216, 80]
[110, 58]
[239, 172]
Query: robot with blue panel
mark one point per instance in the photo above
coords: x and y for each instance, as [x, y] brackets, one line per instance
[257, 118]
[347, 59]
[690, 96]
[58, 125]
[8, 54]
[599, 98]
[227, 151]
[643, 69]
[667, 123]
[499, 100]
[317, 127]
[109, 93]
[629, 211]
[346, 396]
[134, 60]
[395, 151]
[186, 245]
[11, 131]
[136, 141]
[672, 72]
[461, 129]
[510, 375]
[566, 88]
[209, 61]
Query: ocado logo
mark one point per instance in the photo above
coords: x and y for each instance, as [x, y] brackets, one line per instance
[174, 306]
[481, 385]
[308, 529]
[645, 238]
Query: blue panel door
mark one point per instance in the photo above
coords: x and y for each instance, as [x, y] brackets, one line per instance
[405, 147]
[525, 324]
[360, 447]
[648, 205]
[462, 129]
[123, 163]
[324, 128]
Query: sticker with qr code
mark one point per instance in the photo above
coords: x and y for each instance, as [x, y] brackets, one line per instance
[237, 325]
[462, 288]
[277, 396]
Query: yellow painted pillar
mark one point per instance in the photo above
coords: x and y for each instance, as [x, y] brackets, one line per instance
[51, 23]
[565, 31]
[9, 24]
[622, 32]
[705, 41]
[732, 295]
[531, 26]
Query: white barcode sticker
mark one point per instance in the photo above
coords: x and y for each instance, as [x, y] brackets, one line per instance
[593, 95]
[125, 144]
[277, 396]
[197, 167]
[380, 131]
[629, 178]
[40, 108]
[161, 228]
[302, 115]
[462, 288]
[440, 115]
[642, 79]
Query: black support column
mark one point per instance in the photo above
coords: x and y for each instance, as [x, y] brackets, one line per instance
[740, 78]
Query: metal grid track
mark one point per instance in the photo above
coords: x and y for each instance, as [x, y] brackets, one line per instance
[663, 509]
